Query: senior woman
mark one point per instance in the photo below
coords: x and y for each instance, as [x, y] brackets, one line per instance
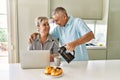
[44, 40]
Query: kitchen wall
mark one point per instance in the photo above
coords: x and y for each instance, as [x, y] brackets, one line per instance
[27, 11]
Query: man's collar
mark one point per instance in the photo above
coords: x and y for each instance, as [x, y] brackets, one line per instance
[69, 21]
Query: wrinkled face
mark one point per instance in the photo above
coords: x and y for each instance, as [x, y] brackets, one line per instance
[59, 19]
[44, 27]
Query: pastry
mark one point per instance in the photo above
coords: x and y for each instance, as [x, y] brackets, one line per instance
[48, 70]
[56, 71]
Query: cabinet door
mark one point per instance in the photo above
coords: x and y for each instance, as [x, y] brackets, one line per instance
[113, 47]
[97, 54]
[28, 10]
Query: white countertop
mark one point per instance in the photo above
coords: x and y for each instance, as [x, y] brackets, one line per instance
[96, 47]
[76, 70]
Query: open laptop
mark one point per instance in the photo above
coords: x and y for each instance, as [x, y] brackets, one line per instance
[35, 59]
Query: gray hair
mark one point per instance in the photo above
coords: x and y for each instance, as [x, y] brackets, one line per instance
[38, 20]
[59, 10]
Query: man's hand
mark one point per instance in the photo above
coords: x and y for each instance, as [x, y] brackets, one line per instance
[70, 46]
[32, 37]
[87, 37]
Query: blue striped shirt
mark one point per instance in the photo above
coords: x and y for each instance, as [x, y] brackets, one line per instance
[74, 29]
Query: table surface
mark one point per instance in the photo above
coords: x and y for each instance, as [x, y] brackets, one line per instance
[76, 70]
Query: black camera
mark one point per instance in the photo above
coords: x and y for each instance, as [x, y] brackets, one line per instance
[66, 55]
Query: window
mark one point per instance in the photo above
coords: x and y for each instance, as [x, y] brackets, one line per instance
[100, 33]
[3, 25]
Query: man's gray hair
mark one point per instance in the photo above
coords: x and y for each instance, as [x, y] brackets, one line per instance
[59, 10]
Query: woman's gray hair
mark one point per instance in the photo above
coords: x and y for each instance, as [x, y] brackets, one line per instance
[38, 20]
[59, 10]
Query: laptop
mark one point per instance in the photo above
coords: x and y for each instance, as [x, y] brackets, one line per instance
[35, 59]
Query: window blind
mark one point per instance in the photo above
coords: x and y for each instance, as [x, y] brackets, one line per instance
[86, 9]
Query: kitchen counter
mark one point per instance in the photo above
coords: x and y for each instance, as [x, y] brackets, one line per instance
[76, 70]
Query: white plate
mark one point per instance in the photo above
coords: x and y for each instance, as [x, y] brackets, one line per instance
[58, 76]
[54, 76]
